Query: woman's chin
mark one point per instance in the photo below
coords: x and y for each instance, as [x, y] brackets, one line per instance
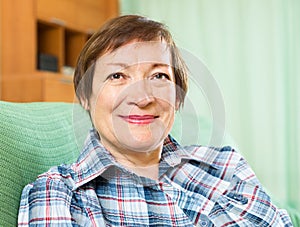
[142, 142]
[141, 138]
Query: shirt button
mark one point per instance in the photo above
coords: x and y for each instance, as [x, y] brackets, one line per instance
[203, 223]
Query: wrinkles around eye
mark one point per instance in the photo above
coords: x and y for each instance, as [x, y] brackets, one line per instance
[116, 76]
[158, 78]
[161, 76]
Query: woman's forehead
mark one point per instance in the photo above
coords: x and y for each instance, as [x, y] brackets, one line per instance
[136, 52]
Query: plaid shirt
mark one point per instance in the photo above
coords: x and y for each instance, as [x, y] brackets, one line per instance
[197, 186]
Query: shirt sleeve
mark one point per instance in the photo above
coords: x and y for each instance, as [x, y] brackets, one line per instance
[246, 203]
[45, 202]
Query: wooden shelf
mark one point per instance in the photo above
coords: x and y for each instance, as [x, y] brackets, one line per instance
[60, 42]
[50, 41]
[58, 29]
[74, 42]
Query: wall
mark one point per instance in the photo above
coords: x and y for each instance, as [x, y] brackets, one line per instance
[250, 48]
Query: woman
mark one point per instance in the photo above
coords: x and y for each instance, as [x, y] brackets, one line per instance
[131, 79]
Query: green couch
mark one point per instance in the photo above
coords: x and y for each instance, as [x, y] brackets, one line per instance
[34, 137]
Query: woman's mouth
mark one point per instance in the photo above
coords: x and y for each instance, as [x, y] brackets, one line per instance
[139, 119]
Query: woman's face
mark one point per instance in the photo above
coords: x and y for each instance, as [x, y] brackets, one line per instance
[134, 97]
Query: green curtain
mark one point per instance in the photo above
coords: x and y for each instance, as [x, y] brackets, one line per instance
[251, 48]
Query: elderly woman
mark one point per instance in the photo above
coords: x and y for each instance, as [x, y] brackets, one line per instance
[131, 79]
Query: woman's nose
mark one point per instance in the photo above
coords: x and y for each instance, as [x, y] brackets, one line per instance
[140, 93]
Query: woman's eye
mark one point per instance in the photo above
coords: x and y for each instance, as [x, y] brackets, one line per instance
[115, 76]
[161, 76]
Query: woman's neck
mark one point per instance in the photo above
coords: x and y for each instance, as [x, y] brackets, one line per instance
[144, 164]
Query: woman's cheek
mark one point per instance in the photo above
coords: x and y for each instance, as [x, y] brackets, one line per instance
[166, 95]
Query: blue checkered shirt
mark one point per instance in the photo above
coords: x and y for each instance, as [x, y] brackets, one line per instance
[197, 186]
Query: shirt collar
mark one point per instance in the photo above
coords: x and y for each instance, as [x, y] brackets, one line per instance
[174, 153]
[95, 159]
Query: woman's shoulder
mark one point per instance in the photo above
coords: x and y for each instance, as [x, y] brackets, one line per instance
[47, 198]
[227, 162]
[56, 178]
[218, 157]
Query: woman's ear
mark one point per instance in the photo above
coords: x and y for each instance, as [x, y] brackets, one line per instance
[85, 104]
[177, 104]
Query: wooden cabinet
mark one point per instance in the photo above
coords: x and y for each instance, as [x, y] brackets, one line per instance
[18, 52]
[34, 28]
[58, 88]
[85, 15]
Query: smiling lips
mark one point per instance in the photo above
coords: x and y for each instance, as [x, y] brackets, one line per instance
[139, 119]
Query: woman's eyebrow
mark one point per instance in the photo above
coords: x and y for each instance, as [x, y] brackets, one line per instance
[154, 65]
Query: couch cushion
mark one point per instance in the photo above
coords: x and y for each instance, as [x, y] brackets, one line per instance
[33, 138]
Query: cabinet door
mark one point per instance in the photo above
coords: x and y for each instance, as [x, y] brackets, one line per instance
[21, 88]
[18, 52]
[58, 89]
[17, 36]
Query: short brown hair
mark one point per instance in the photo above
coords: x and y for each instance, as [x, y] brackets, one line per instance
[116, 33]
